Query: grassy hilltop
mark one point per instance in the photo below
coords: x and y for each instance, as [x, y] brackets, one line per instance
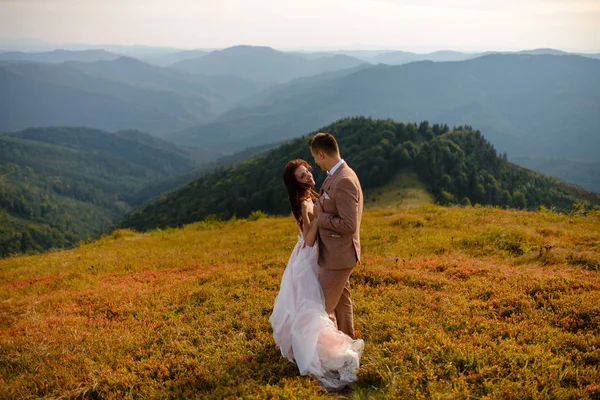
[452, 302]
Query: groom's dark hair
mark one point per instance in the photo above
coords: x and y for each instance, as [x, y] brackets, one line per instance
[324, 142]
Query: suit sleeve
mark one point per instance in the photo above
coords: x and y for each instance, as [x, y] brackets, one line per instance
[347, 204]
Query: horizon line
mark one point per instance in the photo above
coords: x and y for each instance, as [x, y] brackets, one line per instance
[39, 43]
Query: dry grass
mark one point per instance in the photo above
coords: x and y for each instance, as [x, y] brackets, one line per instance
[451, 302]
[404, 191]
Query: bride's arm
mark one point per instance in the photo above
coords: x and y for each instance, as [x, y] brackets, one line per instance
[309, 227]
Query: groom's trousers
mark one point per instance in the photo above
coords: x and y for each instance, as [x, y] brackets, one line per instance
[338, 303]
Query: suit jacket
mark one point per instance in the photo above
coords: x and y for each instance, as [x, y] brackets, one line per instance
[339, 223]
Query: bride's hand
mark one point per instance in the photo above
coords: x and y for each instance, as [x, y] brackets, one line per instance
[317, 209]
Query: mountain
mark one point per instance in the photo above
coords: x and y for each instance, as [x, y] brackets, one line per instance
[124, 93]
[134, 72]
[232, 88]
[263, 64]
[172, 58]
[141, 52]
[59, 56]
[165, 185]
[457, 166]
[112, 95]
[288, 90]
[544, 106]
[583, 173]
[403, 57]
[137, 51]
[62, 185]
[365, 55]
[543, 52]
[223, 91]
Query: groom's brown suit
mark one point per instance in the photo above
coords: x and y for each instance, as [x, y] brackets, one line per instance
[341, 200]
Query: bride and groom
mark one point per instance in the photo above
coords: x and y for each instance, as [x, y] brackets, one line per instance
[312, 317]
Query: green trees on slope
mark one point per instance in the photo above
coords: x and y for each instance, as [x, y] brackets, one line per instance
[62, 185]
[458, 166]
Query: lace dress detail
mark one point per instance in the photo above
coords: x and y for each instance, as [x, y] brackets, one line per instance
[302, 329]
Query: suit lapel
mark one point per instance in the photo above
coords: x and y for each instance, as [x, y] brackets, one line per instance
[325, 185]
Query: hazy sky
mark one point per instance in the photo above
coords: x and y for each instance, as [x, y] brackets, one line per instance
[392, 24]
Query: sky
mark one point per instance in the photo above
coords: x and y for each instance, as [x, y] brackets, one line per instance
[412, 25]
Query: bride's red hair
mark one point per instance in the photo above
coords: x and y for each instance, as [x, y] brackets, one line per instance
[297, 192]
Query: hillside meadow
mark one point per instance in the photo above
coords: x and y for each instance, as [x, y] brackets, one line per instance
[453, 303]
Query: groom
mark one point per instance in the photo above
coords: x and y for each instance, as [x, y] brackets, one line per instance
[339, 210]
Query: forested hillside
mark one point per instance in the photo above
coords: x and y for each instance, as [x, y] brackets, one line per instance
[458, 166]
[62, 185]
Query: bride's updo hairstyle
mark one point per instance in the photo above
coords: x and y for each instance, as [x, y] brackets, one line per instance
[297, 192]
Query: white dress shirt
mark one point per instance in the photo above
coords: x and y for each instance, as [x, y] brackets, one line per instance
[335, 167]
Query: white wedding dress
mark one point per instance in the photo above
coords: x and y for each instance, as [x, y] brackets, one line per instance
[302, 329]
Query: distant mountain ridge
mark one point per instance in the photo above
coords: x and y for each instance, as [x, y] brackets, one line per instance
[59, 56]
[584, 173]
[124, 93]
[166, 60]
[525, 105]
[68, 97]
[404, 57]
[168, 56]
[221, 90]
[537, 110]
[263, 64]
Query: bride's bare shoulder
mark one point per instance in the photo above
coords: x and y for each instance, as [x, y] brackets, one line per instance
[308, 205]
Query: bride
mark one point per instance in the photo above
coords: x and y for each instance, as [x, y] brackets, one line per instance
[301, 328]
